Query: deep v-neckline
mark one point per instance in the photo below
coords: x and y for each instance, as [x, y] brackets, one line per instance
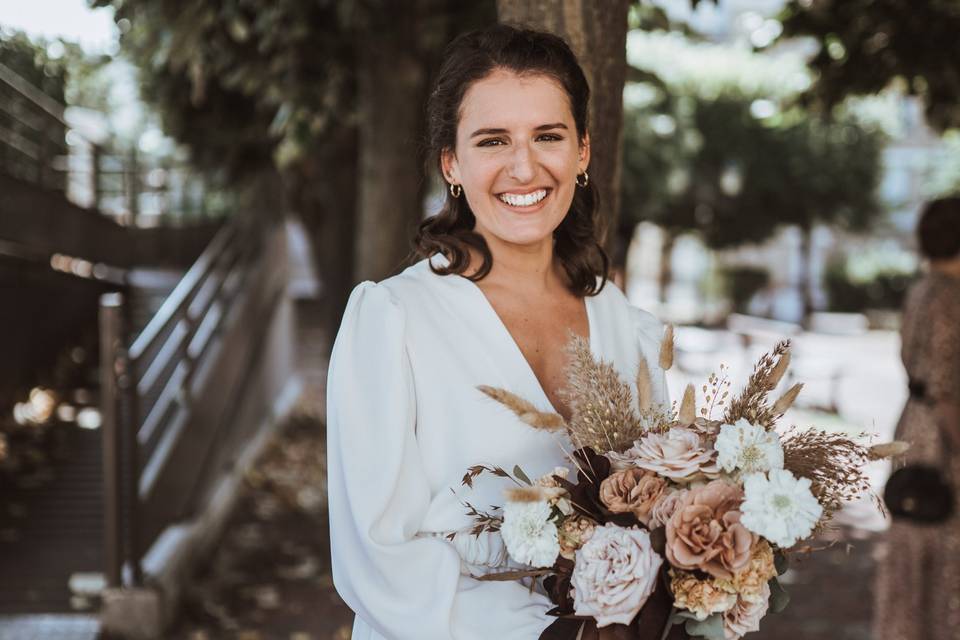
[515, 347]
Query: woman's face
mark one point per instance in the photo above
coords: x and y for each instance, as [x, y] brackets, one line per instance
[517, 156]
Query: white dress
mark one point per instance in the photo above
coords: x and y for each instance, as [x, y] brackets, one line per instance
[405, 420]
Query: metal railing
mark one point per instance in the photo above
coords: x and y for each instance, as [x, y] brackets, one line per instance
[39, 145]
[168, 397]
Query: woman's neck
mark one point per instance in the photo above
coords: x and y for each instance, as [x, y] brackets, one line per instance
[948, 267]
[527, 270]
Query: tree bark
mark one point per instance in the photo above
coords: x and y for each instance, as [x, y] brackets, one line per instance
[391, 87]
[665, 276]
[806, 249]
[597, 33]
[323, 192]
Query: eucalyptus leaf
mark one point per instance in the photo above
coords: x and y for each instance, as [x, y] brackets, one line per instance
[779, 598]
[520, 475]
[781, 562]
[710, 629]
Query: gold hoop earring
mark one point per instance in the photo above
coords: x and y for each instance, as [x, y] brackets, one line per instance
[586, 180]
[455, 190]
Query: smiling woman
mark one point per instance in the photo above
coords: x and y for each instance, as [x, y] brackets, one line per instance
[507, 125]
[511, 268]
[508, 173]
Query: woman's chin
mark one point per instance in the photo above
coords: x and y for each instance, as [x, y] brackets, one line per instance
[526, 237]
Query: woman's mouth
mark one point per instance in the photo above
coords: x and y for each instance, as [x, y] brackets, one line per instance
[524, 202]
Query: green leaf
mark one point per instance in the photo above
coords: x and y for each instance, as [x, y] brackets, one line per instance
[710, 629]
[779, 598]
[781, 562]
[520, 475]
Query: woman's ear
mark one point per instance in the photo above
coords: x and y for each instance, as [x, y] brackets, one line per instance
[449, 166]
[583, 160]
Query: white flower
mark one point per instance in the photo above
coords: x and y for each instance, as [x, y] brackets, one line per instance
[530, 537]
[748, 447]
[614, 573]
[780, 507]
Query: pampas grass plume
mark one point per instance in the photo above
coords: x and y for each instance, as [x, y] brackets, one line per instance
[525, 410]
[785, 401]
[688, 407]
[644, 386]
[888, 450]
[666, 349]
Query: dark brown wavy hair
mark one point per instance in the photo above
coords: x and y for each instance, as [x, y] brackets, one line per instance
[939, 229]
[472, 57]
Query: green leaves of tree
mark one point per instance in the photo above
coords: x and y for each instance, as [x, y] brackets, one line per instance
[864, 45]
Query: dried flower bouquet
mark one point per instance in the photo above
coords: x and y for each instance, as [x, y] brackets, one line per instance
[669, 505]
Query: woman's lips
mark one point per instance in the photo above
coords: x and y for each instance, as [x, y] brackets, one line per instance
[529, 208]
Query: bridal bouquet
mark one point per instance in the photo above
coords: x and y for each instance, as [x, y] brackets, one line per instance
[668, 504]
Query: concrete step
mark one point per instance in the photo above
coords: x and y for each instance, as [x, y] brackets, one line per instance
[49, 627]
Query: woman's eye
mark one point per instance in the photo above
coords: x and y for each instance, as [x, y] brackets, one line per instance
[547, 137]
[489, 143]
[550, 137]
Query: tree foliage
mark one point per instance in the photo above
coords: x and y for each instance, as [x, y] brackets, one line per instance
[864, 45]
[31, 60]
[697, 157]
[239, 81]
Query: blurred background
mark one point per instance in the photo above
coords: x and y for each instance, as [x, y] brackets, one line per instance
[189, 190]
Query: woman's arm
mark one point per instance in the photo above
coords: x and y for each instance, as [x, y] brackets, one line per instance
[403, 586]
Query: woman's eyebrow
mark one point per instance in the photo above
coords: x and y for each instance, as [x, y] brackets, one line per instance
[542, 127]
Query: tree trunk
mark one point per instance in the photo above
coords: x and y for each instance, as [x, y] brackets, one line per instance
[323, 193]
[665, 274]
[391, 87]
[597, 33]
[806, 248]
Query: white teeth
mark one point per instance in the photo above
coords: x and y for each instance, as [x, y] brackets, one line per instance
[524, 200]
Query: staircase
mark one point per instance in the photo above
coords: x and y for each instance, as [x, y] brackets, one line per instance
[54, 532]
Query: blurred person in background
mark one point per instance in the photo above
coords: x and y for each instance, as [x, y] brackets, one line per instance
[918, 587]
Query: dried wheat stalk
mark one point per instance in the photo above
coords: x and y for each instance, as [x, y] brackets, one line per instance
[525, 410]
[831, 461]
[601, 405]
[752, 401]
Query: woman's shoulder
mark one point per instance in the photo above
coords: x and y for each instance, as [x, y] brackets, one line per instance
[642, 321]
[408, 290]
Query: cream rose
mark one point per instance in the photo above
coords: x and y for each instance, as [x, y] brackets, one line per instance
[614, 574]
[705, 531]
[679, 454]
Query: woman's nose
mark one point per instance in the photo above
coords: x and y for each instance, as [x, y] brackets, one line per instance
[522, 164]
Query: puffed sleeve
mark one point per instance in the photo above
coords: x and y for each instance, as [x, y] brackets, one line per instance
[649, 332]
[404, 587]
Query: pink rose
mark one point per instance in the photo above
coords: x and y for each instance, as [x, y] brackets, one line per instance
[614, 574]
[678, 453]
[632, 491]
[705, 531]
[665, 507]
[745, 616]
